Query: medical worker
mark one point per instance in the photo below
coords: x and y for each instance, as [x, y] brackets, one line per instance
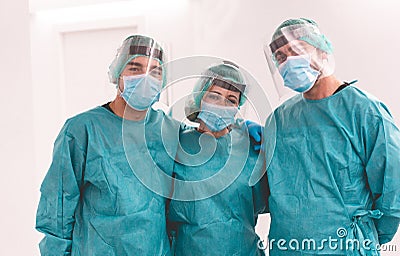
[332, 154]
[93, 201]
[105, 192]
[214, 207]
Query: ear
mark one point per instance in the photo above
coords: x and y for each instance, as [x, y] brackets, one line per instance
[120, 84]
[324, 55]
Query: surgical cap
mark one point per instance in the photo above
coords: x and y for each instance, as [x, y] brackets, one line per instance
[309, 33]
[132, 47]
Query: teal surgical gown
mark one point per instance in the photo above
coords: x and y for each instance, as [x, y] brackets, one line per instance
[92, 202]
[334, 173]
[210, 221]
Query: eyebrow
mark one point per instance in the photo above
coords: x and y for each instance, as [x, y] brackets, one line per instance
[287, 49]
[137, 64]
[234, 97]
[132, 63]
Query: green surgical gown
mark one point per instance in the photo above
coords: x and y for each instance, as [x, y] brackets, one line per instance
[222, 222]
[334, 173]
[91, 201]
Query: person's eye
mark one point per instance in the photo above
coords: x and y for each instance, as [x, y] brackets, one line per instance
[134, 69]
[213, 96]
[294, 52]
[233, 101]
[280, 57]
[157, 71]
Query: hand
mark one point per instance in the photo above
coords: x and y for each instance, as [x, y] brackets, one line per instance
[255, 132]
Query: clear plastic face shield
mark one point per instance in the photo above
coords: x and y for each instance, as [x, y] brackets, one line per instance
[219, 104]
[215, 98]
[194, 81]
[137, 71]
[221, 89]
[297, 58]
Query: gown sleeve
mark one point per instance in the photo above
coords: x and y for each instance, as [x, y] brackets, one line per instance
[60, 193]
[382, 146]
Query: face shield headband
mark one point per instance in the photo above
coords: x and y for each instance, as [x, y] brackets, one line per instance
[295, 34]
[146, 51]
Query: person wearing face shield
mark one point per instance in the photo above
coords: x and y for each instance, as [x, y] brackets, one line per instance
[105, 191]
[332, 154]
[92, 203]
[214, 208]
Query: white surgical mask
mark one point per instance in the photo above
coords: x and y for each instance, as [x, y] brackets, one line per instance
[141, 91]
[298, 74]
[217, 117]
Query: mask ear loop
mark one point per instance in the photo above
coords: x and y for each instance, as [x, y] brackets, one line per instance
[118, 87]
[311, 59]
[325, 69]
[319, 65]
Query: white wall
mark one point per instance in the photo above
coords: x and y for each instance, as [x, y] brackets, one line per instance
[363, 32]
[18, 181]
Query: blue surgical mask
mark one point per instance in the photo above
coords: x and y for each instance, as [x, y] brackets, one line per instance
[298, 74]
[141, 91]
[217, 117]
